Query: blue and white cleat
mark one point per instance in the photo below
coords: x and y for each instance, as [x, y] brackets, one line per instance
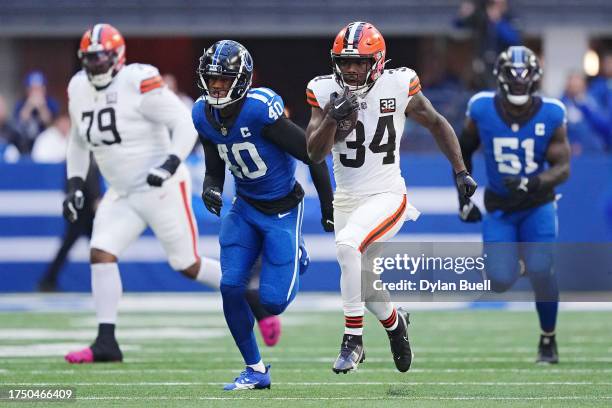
[250, 379]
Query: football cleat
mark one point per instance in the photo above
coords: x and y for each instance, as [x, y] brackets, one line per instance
[101, 351]
[351, 354]
[547, 350]
[250, 379]
[400, 346]
[270, 328]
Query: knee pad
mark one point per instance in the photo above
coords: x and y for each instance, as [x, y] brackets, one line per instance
[539, 264]
[273, 304]
[279, 247]
[502, 276]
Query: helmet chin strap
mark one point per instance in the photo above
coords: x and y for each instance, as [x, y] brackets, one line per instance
[517, 100]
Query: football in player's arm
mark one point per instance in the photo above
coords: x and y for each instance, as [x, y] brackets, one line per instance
[358, 113]
[322, 128]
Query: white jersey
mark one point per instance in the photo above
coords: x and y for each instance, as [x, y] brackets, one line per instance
[367, 161]
[126, 125]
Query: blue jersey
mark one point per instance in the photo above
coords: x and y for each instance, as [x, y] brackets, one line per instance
[262, 171]
[514, 149]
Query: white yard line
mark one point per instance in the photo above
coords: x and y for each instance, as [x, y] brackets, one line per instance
[362, 371]
[425, 398]
[326, 384]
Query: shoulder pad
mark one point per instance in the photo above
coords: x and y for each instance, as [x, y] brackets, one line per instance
[268, 106]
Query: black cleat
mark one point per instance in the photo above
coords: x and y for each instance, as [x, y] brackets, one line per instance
[106, 350]
[351, 354]
[400, 346]
[547, 350]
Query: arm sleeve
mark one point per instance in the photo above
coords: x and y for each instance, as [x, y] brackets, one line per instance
[289, 137]
[77, 155]
[164, 107]
[320, 178]
[215, 166]
[469, 143]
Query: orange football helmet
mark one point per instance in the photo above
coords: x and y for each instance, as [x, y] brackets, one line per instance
[359, 40]
[102, 54]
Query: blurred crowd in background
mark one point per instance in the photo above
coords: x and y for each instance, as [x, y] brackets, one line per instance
[36, 127]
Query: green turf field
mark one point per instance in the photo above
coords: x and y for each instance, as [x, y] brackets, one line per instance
[462, 359]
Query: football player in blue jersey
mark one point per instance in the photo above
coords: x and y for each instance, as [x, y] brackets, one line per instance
[247, 130]
[524, 141]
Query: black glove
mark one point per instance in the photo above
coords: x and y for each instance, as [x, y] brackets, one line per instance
[468, 211]
[212, 200]
[519, 187]
[466, 186]
[158, 175]
[75, 199]
[341, 107]
[327, 219]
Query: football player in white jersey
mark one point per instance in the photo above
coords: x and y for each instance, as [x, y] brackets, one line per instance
[139, 133]
[358, 114]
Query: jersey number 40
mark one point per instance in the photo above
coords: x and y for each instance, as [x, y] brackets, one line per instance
[506, 151]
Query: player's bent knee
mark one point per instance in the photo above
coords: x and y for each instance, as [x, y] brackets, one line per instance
[232, 292]
[192, 271]
[99, 256]
[274, 306]
[501, 284]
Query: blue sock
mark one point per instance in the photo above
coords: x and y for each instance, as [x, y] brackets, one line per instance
[547, 300]
[240, 321]
[547, 312]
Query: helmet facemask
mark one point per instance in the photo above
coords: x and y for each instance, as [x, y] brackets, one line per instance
[517, 78]
[358, 82]
[100, 66]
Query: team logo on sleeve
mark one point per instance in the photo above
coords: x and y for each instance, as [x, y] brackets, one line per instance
[387, 105]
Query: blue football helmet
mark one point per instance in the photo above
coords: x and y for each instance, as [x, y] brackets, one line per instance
[518, 74]
[226, 58]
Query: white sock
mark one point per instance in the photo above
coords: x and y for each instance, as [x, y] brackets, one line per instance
[106, 289]
[259, 367]
[349, 259]
[210, 273]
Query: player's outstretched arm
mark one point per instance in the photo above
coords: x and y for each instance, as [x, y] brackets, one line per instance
[422, 111]
[163, 106]
[214, 177]
[77, 165]
[290, 138]
[469, 141]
